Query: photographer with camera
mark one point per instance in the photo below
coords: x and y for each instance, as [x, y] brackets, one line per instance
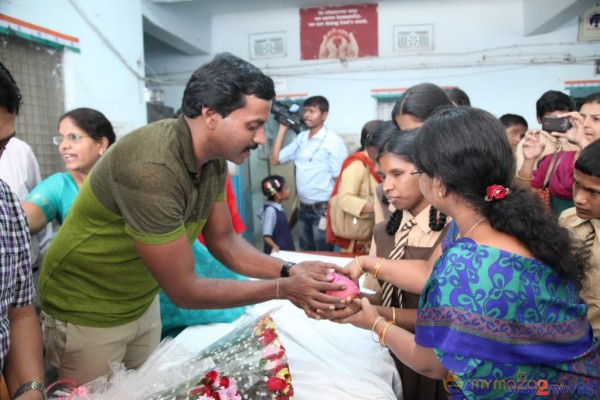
[318, 154]
[550, 104]
[555, 170]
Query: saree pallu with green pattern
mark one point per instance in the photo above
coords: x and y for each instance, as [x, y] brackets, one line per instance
[506, 326]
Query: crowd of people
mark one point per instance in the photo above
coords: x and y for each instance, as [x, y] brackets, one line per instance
[470, 277]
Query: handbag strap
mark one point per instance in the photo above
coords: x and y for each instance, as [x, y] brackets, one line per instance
[368, 181]
[552, 167]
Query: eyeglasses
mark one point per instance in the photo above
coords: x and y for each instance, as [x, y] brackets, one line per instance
[416, 172]
[71, 138]
[4, 142]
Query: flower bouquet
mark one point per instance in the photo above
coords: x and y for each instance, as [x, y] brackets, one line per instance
[214, 387]
[251, 356]
[248, 363]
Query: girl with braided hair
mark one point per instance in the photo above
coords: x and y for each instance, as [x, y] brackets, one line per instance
[277, 234]
[384, 132]
[412, 232]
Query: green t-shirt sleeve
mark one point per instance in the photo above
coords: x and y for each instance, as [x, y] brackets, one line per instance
[151, 202]
[145, 181]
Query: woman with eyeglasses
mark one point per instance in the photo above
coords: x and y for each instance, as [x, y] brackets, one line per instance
[84, 134]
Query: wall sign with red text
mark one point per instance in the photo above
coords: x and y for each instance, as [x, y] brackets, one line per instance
[338, 32]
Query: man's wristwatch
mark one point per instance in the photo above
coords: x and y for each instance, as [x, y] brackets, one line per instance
[285, 270]
[31, 385]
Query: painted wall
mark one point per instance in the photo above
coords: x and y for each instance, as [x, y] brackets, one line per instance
[478, 46]
[179, 24]
[108, 73]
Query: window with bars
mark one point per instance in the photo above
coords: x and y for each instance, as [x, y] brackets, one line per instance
[38, 72]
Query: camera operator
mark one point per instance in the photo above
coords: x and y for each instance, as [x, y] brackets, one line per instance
[318, 154]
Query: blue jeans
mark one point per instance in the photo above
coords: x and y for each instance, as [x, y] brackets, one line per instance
[311, 237]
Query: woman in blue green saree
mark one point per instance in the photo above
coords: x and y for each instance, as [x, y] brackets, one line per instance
[499, 316]
[506, 326]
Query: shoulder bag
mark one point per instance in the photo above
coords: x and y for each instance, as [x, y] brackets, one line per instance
[348, 226]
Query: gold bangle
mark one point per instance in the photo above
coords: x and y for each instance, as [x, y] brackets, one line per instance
[394, 314]
[277, 285]
[375, 326]
[519, 177]
[358, 264]
[381, 342]
[377, 266]
[383, 332]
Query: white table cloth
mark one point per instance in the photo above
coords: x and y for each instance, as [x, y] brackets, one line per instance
[327, 360]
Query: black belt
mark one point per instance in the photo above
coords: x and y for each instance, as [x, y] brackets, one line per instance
[315, 206]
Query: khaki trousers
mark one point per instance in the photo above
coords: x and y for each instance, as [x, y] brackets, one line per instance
[84, 353]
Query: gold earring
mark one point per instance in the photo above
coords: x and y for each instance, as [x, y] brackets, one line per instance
[440, 193]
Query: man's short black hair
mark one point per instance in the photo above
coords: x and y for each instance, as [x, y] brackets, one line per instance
[10, 95]
[552, 101]
[317, 101]
[223, 84]
[588, 161]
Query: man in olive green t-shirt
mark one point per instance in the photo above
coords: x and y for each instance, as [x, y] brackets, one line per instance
[130, 230]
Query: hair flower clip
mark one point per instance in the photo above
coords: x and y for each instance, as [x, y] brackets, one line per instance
[496, 192]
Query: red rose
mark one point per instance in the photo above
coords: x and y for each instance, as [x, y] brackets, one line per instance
[275, 384]
[210, 378]
[267, 336]
[496, 192]
[224, 382]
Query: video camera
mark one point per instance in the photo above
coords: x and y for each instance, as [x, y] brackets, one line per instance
[288, 115]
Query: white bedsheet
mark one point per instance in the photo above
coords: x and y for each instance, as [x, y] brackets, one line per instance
[327, 360]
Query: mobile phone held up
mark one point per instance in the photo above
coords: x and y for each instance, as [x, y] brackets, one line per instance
[555, 124]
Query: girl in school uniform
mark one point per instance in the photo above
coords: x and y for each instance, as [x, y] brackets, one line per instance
[277, 234]
[413, 231]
